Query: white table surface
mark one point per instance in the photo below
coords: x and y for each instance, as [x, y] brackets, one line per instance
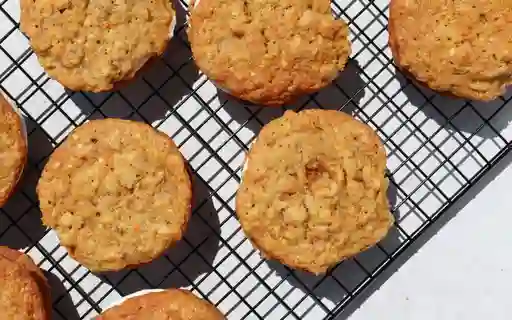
[461, 269]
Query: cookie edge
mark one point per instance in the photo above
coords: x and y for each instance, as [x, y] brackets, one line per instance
[315, 270]
[394, 46]
[9, 105]
[114, 86]
[183, 227]
[142, 295]
[276, 100]
[31, 270]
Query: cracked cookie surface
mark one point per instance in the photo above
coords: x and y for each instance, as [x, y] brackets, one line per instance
[461, 47]
[93, 45]
[172, 304]
[314, 190]
[117, 193]
[13, 149]
[268, 52]
[24, 291]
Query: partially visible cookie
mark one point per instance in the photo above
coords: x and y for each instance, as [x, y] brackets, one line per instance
[313, 191]
[96, 45]
[172, 304]
[117, 192]
[13, 148]
[24, 291]
[268, 52]
[462, 48]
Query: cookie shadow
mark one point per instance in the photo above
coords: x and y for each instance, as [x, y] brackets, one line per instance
[338, 284]
[20, 218]
[183, 264]
[341, 281]
[483, 119]
[344, 94]
[162, 86]
[63, 306]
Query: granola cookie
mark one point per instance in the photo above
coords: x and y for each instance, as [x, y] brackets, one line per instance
[314, 190]
[95, 45]
[13, 148]
[463, 48]
[117, 192]
[24, 291]
[270, 51]
[172, 304]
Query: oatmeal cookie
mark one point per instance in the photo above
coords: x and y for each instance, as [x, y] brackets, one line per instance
[463, 48]
[13, 148]
[271, 51]
[95, 45]
[24, 291]
[314, 190]
[172, 304]
[117, 192]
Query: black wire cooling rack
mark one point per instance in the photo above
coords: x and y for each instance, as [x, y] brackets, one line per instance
[437, 149]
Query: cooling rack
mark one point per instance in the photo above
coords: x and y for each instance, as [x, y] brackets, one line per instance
[437, 149]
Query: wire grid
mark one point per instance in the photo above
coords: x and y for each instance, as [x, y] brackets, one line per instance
[437, 149]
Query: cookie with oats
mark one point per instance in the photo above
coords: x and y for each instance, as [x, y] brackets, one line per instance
[313, 192]
[172, 304]
[268, 52]
[462, 48]
[96, 45]
[24, 291]
[13, 148]
[117, 192]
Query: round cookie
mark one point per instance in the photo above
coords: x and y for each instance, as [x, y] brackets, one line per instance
[313, 191]
[268, 52]
[117, 192]
[13, 148]
[463, 48]
[99, 44]
[172, 304]
[24, 291]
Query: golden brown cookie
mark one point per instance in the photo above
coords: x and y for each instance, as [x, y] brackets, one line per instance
[314, 190]
[268, 52]
[117, 192]
[95, 45]
[172, 304]
[463, 48]
[24, 291]
[13, 148]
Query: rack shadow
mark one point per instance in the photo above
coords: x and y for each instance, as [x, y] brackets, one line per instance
[341, 280]
[343, 94]
[63, 306]
[467, 115]
[157, 89]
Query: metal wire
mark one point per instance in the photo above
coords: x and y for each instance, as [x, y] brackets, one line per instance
[438, 148]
